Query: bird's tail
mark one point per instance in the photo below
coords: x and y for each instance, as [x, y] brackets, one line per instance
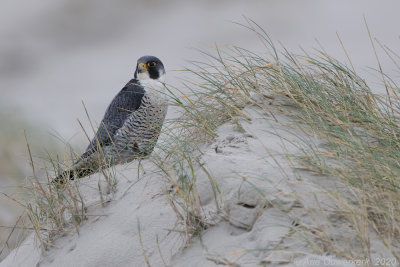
[94, 163]
[72, 174]
[83, 167]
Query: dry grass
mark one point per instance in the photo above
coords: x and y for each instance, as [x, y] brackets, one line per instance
[52, 209]
[360, 130]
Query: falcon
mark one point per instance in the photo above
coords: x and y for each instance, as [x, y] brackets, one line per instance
[131, 125]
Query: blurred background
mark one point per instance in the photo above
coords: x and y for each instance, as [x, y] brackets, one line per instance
[56, 54]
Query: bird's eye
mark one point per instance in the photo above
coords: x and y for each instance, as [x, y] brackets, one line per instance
[151, 64]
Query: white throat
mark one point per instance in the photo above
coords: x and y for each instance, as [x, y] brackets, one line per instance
[153, 87]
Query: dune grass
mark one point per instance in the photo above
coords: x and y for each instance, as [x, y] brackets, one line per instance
[359, 128]
[360, 131]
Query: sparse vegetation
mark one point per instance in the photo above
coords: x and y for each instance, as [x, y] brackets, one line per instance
[360, 131]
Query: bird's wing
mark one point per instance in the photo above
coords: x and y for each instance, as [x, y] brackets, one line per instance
[123, 104]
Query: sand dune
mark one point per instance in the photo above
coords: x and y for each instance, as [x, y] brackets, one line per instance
[264, 197]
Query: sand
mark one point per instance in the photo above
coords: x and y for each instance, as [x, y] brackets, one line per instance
[266, 200]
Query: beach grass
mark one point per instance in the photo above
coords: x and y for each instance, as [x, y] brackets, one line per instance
[359, 129]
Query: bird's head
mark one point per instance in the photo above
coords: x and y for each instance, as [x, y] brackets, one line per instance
[149, 67]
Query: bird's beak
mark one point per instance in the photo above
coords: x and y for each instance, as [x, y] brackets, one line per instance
[142, 67]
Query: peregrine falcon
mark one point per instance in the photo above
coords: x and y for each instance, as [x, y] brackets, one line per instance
[131, 125]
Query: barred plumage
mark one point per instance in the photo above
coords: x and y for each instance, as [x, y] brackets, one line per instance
[131, 125]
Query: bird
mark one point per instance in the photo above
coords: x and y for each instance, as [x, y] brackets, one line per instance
[131, 124]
